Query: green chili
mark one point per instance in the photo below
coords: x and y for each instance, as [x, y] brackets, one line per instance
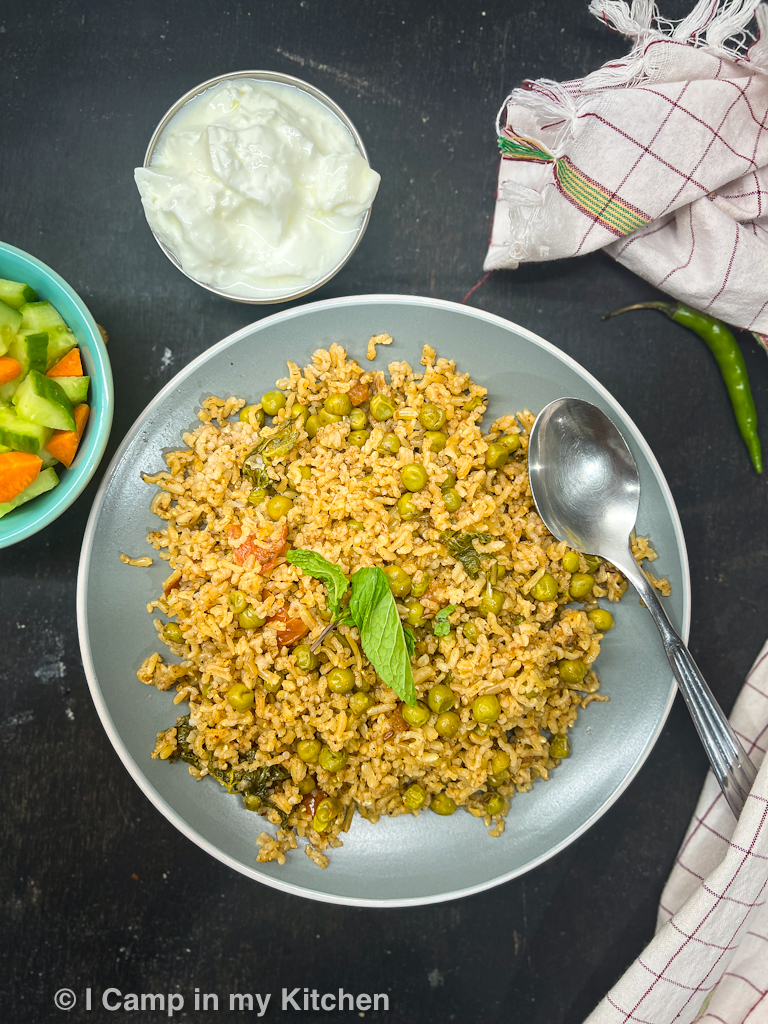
[724, 347]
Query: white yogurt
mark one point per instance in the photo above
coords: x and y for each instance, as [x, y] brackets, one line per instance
[257, 188]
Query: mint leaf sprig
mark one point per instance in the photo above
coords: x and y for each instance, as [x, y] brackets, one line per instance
[373, 611]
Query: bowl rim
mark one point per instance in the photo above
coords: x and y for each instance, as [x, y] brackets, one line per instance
[101, 424]
[84, 635]
[280, 78]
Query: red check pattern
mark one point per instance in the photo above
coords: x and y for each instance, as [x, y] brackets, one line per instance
[684, 141]
[709, 959]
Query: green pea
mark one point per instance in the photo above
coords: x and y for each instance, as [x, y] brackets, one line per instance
[414, 476]
[326, 417]
[593, 563]
[358, 419]
[306, 659]
[257, 495]
[441, 698]
[469, 629]
[252, 802]
[435, 440]
[307, 785]
[494, 803]
[415, 615]
[473, 403]
[447, 724]
[278, 506]
[240, 697]
[305, 472]
[331, 760]
[496, 456]
[389, 444]
[340, 680]
[312, 424]
[355, 524]
[581, 584]
[545, 589]
[358, 437]
[500, 761]
[299, 411]
[172, 633]
[414, 796]
[360, 702]
[601, 619]
[407, 507]
[571, 561]
[420, 586]
[443, 804]
[382, 408]
[251, 412]
[431, 417]
[399, 580]
[273, 685]
[486, 709]
[497, 780]
[510, 441]
[559, 746]
[273, 402]
[572, 671]
[237, 601]
[338, 405]
[492, 601]
[248, 618]
[449, 482]
[308, 751]
[326, 812]
[417, 716]
[452, 499]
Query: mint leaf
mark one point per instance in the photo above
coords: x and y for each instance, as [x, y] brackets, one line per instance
[410, 640]
[331, 575]
[442, 626]
[374, 612]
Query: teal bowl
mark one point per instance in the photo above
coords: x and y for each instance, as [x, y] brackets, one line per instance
[36, 514]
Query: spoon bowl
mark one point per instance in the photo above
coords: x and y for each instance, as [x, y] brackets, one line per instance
[587, 491]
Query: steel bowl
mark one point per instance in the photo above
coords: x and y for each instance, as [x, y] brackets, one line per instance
[310, 90]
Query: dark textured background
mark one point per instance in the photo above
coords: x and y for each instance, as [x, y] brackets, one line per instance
[97, 888]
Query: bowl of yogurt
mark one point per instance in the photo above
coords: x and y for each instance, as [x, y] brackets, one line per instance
[257, 186]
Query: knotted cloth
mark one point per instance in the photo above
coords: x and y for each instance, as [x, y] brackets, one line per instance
[660, 158]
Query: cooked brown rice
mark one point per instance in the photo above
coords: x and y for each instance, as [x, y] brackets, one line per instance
[346, 510]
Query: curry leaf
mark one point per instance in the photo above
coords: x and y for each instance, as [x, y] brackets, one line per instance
[460, 545]
[374, 612]
[331, 575]
[442, 626]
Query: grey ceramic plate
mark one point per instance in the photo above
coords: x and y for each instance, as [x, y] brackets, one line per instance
[406, 860]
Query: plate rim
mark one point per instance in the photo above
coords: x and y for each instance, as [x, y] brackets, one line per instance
[108, 723]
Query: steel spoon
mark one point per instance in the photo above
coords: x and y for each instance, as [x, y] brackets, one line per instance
[585, 483]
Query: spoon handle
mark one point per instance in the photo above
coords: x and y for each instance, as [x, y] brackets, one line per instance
[730, 762]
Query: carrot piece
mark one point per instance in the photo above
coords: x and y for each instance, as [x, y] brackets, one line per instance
[68, 366]
[9, 369]
[17, 471]
[63, 443]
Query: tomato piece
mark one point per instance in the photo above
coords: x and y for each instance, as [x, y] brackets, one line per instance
[311, 800]
[265, 553]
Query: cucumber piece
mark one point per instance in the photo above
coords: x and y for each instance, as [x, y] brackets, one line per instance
[10, 322]
[20, 434]
[59, 343]
[48, 459]
[75, 388]
[15, 293]
[41, 400]
[7, 391]
[4, 449]
[46, 481]
[41, 316]
[31, 351]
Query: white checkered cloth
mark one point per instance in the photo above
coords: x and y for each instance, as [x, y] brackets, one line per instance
[660, 158]
[709, 960]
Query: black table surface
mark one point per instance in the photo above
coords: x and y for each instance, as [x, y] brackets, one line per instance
[99, 890]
